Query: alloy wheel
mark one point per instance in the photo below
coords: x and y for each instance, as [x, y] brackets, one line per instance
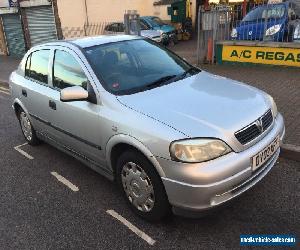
[26, 126]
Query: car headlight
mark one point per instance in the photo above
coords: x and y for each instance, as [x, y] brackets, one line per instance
[273, 30]
[198, 150]
[297, 32]
[234, 33]
[273, 106]
[161, 32]
[164, 36]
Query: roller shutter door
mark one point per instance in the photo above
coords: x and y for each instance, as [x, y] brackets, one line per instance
[41, 24]
[14, 34]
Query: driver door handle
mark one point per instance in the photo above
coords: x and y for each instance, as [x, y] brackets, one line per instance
[52, 105]
[24, 92]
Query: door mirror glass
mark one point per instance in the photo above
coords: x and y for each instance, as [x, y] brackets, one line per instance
[75, 93]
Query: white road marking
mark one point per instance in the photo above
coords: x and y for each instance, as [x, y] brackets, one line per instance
[65, 181]
[22, 152]
[5, 89]
[4, 92]
[133, 228]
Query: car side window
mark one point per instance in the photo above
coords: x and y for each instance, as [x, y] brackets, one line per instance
[37, 66]
[121, 27]
[145, 25]
[67, 72]
[108, 28]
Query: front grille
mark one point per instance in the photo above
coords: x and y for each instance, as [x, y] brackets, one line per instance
[256, 128]
[248, 134]
[267, 120]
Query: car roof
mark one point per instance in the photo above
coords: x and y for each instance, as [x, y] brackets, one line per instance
[94, 41]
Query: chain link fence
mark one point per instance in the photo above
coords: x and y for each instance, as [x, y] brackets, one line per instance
[92, 29]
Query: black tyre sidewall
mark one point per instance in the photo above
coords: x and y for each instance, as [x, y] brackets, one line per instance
[161, 207]
[34, 140]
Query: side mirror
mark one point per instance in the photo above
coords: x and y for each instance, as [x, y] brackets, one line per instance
[75, 93]
[293, 17]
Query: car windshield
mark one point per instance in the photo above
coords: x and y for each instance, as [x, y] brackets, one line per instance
[136, 65]
[266, 12]
[144, 26]
[158, 21]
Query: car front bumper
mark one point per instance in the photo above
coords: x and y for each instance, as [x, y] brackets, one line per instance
[206, 185]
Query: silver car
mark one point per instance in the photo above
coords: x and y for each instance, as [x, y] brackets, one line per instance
[172, 136]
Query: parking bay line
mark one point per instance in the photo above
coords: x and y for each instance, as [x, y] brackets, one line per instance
[133, 228]
[65, 181]
[22, 152]
[4, 92]
[3, 88]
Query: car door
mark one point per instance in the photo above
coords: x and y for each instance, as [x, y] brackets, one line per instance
[36, 90]
[77, 123]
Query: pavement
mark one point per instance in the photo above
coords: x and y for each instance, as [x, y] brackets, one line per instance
[7, 65]
[37, 211]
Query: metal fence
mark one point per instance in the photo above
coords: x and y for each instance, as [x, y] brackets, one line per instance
[130, 25]
[269, 22]
[92, 29]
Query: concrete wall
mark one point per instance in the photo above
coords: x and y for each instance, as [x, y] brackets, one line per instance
[73, 13]
[161, 11]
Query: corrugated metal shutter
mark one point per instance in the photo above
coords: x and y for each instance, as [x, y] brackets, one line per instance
[297, 6]
[41, 24]
[14, 34]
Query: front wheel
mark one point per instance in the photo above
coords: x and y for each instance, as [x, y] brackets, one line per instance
[142, 186]
[27, 129]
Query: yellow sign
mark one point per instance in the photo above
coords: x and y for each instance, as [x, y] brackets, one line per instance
[263, 55]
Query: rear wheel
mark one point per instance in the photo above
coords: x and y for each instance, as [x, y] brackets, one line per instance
[27, 129]
[142, 186]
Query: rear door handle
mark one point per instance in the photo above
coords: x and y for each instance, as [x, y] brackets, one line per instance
[24, 92]
[52, 105]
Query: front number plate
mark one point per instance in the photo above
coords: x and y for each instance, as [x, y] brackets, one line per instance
[259, 159]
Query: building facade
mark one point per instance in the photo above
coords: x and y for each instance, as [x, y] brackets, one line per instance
[12, 33]
[39, 21]
[77, 13]
[26, 23]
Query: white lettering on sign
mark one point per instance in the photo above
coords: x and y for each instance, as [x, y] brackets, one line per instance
[32, 3]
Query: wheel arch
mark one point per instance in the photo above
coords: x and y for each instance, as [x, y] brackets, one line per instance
[17, 105]
[121, 142]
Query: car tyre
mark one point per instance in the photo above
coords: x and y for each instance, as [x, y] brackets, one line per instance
[27, 128]
[142, 186]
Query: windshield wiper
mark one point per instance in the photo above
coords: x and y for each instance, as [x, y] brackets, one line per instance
[161, 81]
[191, 71]
[166, 79]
